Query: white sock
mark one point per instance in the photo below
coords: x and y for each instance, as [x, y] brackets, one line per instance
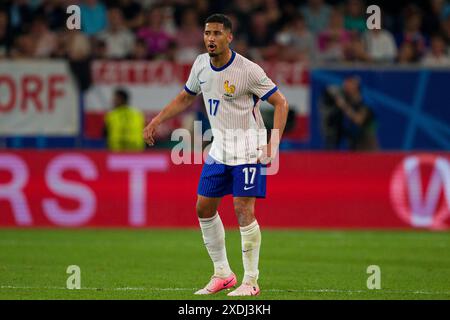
[251, 242]
[214, 239]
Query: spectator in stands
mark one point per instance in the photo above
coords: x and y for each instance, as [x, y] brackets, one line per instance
[20, 15]
[93, 14]
[173, 53]
[411, 32]
[407, 54]
[380, 45]
[333, 41]
[289, 11]
[99, 51]
[189, 38]
[437, 55]
[345, 115]
[124, 125]
[76, 44]
[435, 15]
[54, 12]
[242, 10]
[317, 15]
[154, 34]
[355, 16]
[5, 35]
[139, 51]
[258, 26]
[445, 11]
[79, 56]
[261, 39]
[118, 38]
[23, 47]
[446, 31]
[168, 20]
[45, 40]
[240, 39]
[273, 13]
[203, 8]
[296, 42]
[240, 46]
[355, 51]
[132, 12]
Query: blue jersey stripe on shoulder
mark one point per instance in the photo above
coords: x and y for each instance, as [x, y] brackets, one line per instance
[268, 94]
[189, 91]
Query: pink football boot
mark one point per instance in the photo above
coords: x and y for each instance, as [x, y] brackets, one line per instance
[217, 284]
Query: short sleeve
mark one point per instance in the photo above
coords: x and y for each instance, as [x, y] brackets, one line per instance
[259, 83]
[192, 85]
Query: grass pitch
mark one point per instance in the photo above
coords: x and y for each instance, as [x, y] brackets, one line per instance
[172, 264]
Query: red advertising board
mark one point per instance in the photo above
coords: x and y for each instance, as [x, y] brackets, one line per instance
[310, 190]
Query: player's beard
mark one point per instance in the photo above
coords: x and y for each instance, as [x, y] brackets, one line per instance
[215, 54]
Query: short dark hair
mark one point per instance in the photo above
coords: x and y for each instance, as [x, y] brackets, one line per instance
[123, 95]
[220, 18]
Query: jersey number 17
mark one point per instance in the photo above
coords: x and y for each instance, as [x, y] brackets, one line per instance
[213, 106]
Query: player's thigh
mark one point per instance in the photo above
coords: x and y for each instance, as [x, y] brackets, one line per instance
[206, 206]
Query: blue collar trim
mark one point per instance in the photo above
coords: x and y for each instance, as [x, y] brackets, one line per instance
[233, 55]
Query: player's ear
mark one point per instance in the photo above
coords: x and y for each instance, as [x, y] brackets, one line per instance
[230, 37]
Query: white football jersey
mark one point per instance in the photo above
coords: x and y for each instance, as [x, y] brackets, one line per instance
[232, 95]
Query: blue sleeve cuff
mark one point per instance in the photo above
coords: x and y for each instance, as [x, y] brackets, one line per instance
[268, 94]
[189, 91]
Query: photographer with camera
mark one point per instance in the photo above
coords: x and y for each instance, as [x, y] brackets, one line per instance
[344, 115]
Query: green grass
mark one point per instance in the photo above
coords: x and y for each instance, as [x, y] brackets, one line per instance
[294, 264]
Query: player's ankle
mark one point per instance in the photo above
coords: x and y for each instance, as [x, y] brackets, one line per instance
[249, 280]
[223, 271]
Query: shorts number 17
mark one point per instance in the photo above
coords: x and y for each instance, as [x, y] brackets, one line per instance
[249, 175]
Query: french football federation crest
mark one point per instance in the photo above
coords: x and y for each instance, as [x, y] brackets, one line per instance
[229, 90]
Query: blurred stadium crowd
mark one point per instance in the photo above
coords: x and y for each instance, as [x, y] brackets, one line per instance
[312, 31]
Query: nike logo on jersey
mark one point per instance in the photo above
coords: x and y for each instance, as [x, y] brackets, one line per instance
[202, 82]
[244, 251]
[248, 188]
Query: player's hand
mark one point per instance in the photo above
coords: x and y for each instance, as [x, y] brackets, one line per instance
[267, 153]
[149, 132]
[340, 103]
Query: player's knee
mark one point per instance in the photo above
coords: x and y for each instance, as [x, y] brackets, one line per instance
[204, 211]
[244, 219]
[244, 212]
[243, 207]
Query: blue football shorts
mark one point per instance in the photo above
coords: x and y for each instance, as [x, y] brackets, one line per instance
[218, 179]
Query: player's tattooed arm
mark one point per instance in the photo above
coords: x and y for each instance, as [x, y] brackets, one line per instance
[279, 123]
[176, 106]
